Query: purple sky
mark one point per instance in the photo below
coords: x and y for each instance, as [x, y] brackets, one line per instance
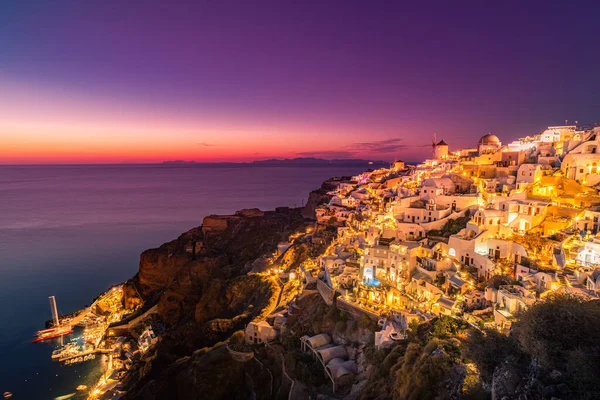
[216, 80]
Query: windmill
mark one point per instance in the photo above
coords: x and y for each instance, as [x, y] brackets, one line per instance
[433, 143]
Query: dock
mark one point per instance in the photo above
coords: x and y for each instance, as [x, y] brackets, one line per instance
[84, 355]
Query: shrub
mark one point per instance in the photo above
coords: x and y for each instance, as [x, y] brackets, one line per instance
[367, 323]
[559, 333]
[551, 330]
[423, 373]
[290, 340]
[238, 338]
[340, 327]
[446, 326]
[343, 316]
[453, 226]
[373, 355]
[488, 350]
[351, 326]
[332, 316]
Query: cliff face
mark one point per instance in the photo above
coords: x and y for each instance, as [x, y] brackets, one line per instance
[200, 283]
[212, 375]
[316, 198]
[183, 270]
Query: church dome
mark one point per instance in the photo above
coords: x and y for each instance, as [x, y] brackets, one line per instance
[489, 139]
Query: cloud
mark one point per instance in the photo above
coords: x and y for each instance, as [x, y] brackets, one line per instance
[205, 144]
[327, 154]
[379, 146]
[374, 148]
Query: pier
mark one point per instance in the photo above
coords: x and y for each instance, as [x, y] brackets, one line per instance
[84, 354]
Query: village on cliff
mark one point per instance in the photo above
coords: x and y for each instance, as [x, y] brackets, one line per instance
[479, 234]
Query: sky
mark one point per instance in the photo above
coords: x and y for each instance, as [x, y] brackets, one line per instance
[146, 81]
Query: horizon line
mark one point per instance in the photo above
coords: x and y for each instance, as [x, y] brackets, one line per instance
[191, 162]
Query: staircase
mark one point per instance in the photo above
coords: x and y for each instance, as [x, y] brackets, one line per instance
[562, 280]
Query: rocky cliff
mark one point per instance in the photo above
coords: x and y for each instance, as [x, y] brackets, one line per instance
[318, 197]
[202, 289]
[199, 261]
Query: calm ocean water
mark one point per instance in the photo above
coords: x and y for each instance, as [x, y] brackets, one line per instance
[73, 231]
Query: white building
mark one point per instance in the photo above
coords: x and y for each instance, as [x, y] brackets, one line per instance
[528, 173]
[522, 214]
[431, 212]
[440, 151]
[589, 254]
[581, 163]
[487, 219]
[488, 144]
[260, 332]
[510, 300]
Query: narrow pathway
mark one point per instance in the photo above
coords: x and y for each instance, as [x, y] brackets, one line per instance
[270, 374]
[293, 382]
[281, 286]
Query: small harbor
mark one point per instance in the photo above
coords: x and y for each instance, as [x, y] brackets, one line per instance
[86, 335]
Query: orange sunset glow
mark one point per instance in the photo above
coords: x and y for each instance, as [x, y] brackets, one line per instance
[40, 125]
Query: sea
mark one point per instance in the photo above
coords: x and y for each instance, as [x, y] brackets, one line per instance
[72, 231]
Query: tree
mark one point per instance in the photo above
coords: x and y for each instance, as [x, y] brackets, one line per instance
[552, 330]
[237, 338]
[559, 334]
[488, 349]
[453, 226]
[446, 326]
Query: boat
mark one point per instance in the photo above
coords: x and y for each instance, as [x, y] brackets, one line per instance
[7, 395]
[65, 397]
[68, 349]
[52, 333]
[58, 329]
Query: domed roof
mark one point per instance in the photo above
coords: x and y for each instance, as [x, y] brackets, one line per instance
[489, 139]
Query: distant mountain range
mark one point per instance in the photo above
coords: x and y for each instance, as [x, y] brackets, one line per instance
[304, 161]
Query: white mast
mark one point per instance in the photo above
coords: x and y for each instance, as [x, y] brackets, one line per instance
[54, 310]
